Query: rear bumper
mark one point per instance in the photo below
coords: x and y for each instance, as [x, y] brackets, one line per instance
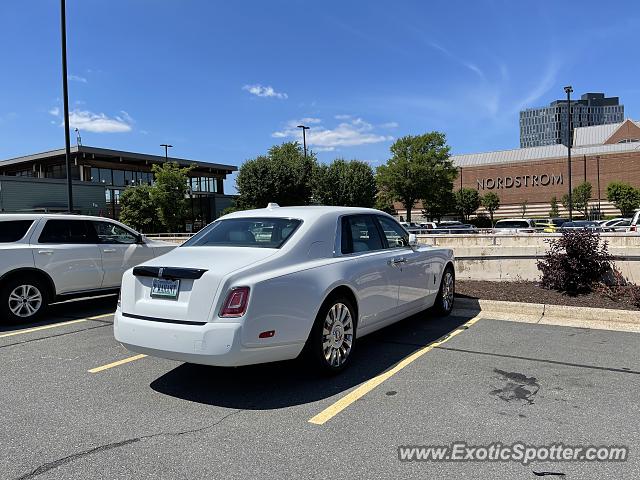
[213, 343]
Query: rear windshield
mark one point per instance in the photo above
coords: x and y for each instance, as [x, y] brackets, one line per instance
[512, 224]
[245, 232]
[13, 230]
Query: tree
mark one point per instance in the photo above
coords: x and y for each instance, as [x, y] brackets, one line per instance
[419, 166]
[439, 203]
[467, 202]
[625, 197]
[523, 207]
[283, 176]
[137, 209]
[491, 202]
[168, 194]
[384, 202]
[554, 212]
[348, 184]
[580, 198]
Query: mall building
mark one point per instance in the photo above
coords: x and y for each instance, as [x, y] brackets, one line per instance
[532, 176]
[37, 183]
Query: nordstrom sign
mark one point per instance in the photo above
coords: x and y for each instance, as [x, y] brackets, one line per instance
[519, 181]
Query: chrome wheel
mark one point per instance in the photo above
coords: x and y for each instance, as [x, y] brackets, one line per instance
[25, 301]
[337, 335]
[448, 291]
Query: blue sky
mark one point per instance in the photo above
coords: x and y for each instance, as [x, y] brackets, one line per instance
[223, 81]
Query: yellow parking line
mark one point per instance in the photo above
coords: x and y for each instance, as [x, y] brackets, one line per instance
[53, 325]
[331, 411]
[117, 364]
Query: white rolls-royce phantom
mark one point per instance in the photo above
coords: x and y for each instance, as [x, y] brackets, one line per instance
[265, 285]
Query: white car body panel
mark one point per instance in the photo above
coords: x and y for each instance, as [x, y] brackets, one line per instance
[74, 268]
[287, 288]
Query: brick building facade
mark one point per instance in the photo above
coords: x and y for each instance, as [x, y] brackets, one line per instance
[601, 155]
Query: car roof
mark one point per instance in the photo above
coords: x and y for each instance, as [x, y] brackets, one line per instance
[307, 213]
[513, 220]
[58, 216]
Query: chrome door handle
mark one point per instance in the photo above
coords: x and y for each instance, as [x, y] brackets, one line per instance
[109, 250]
[397, 261]
[45, 252]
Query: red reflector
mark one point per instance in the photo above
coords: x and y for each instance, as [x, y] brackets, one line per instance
[236, 303]
[267, 334]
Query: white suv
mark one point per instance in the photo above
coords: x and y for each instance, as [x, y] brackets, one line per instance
[44, 258]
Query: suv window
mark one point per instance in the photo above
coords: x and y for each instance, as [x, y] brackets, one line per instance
[14, 230]
[396, 236]
[68, 231]
[360, 234]
[111, 233]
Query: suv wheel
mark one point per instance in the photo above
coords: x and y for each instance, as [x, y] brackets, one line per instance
[22, 299]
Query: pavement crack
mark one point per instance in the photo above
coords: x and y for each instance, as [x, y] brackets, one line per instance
[45, 467]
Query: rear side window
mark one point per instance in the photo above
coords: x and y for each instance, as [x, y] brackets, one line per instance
[14, 230]
[111, 233]
[395, 235]
[360, 234]
[512, 224]
[68, 231]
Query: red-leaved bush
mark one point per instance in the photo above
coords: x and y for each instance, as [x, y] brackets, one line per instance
[574, 262]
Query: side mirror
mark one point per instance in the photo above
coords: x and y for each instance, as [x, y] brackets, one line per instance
[413, 240]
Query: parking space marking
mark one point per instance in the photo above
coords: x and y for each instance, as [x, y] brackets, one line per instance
[331, 411]
[117, 364]
[53, 325]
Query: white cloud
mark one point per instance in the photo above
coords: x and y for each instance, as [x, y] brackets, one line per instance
[264, 91]
[389, 125]
[87, 121]
[351, 133]
[77, 78]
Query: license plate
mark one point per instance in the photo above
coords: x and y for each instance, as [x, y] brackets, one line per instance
[161, 287]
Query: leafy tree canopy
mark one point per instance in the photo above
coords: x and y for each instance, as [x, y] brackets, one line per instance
[624, 196]
[467, 201]
[349, 184]
[283, 176]
[419, 165]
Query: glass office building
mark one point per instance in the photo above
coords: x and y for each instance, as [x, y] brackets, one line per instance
[549, 126]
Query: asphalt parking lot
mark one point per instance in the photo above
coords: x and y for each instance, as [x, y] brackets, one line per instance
[75, 404]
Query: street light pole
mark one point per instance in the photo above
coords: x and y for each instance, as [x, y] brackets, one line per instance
[166, 150]
[65, 100]
[304, 138]
[568, 90]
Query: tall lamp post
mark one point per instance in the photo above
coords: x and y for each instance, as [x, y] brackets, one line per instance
[304, 138]
[65, 100]
[166, 150]
[568, 90]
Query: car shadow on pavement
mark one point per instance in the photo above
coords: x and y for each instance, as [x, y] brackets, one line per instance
[284, 384]
[75, 309]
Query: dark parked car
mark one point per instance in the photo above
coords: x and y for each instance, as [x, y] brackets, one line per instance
[581, 225]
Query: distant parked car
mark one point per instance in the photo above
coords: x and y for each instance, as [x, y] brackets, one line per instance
[428, 225]
[550, 225]
[581, 225]
[449, 223]
[635, 222]
[615, 224]
[455, 229]
[510, 226]
[46, 257]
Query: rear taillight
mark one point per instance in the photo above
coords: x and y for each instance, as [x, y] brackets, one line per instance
[236, 303]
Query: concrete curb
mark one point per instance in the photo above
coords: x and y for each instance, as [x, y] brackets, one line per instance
[544, 311]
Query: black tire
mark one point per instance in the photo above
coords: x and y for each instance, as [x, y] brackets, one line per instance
[336, 356]
[446, 294]
[23, 299]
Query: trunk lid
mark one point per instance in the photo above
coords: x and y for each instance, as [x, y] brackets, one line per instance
[200, 271]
